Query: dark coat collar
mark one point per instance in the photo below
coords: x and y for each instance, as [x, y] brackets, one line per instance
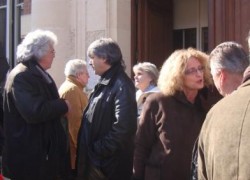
[37, 70]
[246, 75]
[180, 96]
[110, 74]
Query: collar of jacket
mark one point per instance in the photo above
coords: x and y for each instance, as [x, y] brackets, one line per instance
[180, 96]
[37, 70]
[73, 80]
[245, 83]
[110, 74]
[246, 75]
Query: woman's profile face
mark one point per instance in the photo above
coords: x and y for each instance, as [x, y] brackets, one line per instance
[193, 75]
[142, 79]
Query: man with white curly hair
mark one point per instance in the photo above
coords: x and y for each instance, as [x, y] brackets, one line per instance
[35, 141]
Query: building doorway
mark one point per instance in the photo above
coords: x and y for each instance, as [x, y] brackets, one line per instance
[161, 26]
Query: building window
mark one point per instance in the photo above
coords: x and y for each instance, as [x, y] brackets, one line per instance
[185, 38]
[10, 29]
[17, 19]
[204, 39]
[3, 28]
[2, 2]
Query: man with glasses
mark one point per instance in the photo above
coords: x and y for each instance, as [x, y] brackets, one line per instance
[35, 143]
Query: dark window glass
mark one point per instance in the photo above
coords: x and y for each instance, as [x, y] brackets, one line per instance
[184, 38]
[2, 2]
[190, 38]
[19, 12]
[20, 7]
[178, 39]
[3, 32]
[204, 39]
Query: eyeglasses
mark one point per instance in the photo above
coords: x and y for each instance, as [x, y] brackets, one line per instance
[194, 71]
[52, 51]
[81, 73]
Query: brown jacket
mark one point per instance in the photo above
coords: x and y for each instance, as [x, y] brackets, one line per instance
[223, 149]
[166, 134]
[72, 90]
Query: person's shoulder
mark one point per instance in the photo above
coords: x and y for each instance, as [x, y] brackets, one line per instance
[123, 79]
[19, 72]
[123, 75]
[230, 110]
[245, 84]
[239, 97]
[154, 89]
[69, 84]
[236, 101]
[242, 94]
[143, 97]
[67, 87]
[19, 68]
[155, 96]
[155, 100]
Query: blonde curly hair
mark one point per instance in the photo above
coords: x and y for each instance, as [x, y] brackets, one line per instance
[172, 72]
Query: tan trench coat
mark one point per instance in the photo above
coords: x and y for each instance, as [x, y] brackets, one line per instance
[72, 90]
[224, 142]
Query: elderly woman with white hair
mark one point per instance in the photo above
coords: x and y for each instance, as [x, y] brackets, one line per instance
[145, 76]
[35, 144]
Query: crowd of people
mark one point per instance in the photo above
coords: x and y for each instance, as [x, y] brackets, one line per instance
[187, 120]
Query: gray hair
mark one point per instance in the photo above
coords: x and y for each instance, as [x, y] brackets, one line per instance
[150, 69]
[108, 49]
[36, 44]
[229, 56]
[74, 66]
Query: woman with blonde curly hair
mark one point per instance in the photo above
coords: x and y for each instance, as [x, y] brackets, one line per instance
[171, 120]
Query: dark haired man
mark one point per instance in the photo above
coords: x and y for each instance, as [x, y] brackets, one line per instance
[105, 141]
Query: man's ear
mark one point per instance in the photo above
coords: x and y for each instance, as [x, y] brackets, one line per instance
[105, 60]
[223, 75]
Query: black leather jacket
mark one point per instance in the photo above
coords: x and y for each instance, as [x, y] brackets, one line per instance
[108, 128]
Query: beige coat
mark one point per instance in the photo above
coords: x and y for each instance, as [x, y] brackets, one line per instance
[72, 90]
[224, 142]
